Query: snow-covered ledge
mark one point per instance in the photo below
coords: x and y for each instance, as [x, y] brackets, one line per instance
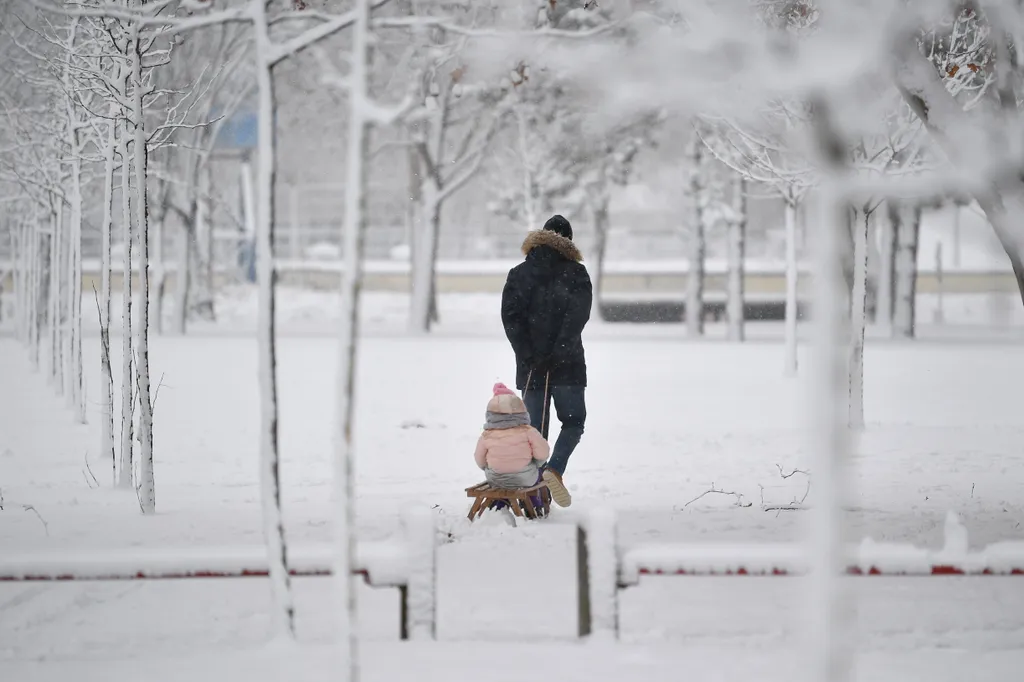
[867, 558]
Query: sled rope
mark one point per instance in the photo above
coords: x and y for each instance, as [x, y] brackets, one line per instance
[544, 412]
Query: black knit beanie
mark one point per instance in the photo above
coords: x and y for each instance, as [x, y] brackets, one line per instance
[559, 225]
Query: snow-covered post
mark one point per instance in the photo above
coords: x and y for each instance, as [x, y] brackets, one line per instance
[127, 385]
[697, 248]
[855, 360]
[736, 249]
[602, 558]
[421, 606]
[792, 279]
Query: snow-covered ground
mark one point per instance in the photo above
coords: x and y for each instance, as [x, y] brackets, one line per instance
[667, 419]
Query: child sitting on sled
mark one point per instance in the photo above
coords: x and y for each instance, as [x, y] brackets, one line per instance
[510, 451]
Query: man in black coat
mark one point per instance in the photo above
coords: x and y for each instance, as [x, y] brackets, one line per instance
[544, 307]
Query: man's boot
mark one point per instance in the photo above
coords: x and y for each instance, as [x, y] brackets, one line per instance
[559, 493]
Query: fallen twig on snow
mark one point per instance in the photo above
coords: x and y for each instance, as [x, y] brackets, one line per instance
[29, 507]
[713, 489]
[795, 505]
[89, 469]
[791, 473]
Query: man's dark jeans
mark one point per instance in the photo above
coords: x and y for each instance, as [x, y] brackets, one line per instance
[571, 410]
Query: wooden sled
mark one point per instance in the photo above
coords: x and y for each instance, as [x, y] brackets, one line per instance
[518, 500]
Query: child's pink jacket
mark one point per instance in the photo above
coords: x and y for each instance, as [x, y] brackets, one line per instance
[508, 451]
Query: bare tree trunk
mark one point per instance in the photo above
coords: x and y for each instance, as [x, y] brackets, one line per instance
[68, 303]
[855, 362]
[19, 280]
[73, 370]
[412, 219]
[30, 282]
[40, 289]
[147, 484]
[737, 243]
[1006, 214]
[104, 303]
[249, 212]
[434, 313]
[203, 268]
[424, 247]
[270, 457]
[159, 271]
[17, 275]
[792, 279]
[529, 178]
[344, 458]
[886, 272]
[827, 597]
[905, 217]
[77, 396]
[600, 208]
[64, 289]
[182, 278]
[921, 87]
[26, 289]
[698, 246]
[54, 300]
[127, 364]
[20, 277]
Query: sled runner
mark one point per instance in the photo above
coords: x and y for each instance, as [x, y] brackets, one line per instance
[523, 502]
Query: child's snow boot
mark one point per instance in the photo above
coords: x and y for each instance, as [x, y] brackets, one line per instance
[559, 493]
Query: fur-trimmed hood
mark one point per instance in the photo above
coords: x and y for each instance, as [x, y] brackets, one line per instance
[563, 246]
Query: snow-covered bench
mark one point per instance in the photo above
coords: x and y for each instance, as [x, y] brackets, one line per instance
[407, 563]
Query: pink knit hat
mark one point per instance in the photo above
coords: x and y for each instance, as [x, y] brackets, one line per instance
[505, 401]
[502, 389]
